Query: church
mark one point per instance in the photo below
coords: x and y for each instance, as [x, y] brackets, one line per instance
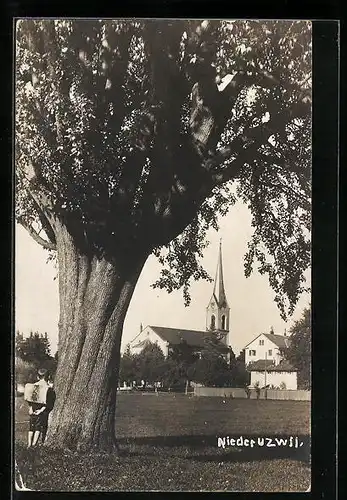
[217, 324]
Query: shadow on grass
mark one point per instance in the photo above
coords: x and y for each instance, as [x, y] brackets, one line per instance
[204, 448]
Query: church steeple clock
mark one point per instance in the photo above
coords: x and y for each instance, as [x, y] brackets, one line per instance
[217, 312]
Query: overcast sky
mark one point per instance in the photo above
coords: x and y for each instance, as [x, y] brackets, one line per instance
[251, 301]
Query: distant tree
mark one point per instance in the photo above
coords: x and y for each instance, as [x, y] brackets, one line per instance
[180, 364]
[51, 366]
[299, 351]
[34, 349]
[241, 357]
[128, 368]
[212, 368]
[150, 363]
[240, 376]
[175, 374]
[24, 371]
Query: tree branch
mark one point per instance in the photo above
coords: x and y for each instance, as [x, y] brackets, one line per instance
[115, 57]
[46, 225]
[258, 136]
[44, 243]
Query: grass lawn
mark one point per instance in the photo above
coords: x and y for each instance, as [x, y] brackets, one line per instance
[169, 442]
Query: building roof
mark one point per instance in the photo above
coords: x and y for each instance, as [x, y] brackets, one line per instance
[281, 341]
[175, 336]
[260, 364]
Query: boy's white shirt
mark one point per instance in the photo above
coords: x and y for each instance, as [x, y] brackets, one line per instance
[43, 382]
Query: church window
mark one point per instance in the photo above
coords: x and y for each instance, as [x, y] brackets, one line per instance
[223, 322]
[213, 322]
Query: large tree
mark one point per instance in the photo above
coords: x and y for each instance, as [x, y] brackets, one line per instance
[128, 135]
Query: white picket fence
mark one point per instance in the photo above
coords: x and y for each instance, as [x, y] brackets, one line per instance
[240, 393]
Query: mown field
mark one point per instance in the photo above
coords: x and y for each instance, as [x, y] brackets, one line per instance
[169, 442]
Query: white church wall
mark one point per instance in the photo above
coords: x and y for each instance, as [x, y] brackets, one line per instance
[149, 335]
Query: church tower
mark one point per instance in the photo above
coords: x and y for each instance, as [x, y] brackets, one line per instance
[217, 312]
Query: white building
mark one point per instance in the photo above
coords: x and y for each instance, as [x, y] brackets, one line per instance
[264, 360]
[266, 346]
[266, 374]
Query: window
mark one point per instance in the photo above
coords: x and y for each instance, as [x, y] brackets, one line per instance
[251, 352]
[261, 342]
[223, 322]
[270, 352]
[213, 322]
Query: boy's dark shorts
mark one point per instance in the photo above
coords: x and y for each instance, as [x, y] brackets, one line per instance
[38, 422]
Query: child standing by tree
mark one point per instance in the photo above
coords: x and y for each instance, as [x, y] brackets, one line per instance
[40, 404]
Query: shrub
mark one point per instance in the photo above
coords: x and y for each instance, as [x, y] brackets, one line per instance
[24, 371]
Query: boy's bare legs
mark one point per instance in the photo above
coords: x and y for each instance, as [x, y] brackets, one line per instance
[36, 438]
[30, 439]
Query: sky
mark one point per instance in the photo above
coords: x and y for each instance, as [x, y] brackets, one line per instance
[251, 300]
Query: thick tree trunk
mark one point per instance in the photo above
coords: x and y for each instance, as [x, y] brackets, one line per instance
[94, 297]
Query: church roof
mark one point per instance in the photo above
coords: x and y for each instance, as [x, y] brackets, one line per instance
[175, 336]
[280, 340]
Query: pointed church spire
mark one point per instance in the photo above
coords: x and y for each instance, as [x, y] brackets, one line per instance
[218, 310]
[218, 289]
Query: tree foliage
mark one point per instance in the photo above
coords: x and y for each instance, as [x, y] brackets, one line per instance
[299, 351]
[207, 365]
[127, 369]
[130, 134]
[180, 364]
[24, 371]
[34, 349]
[150, 364]
[212, 369]
[33, 352]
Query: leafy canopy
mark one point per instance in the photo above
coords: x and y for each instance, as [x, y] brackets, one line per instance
[299, 351]
[143, 133]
